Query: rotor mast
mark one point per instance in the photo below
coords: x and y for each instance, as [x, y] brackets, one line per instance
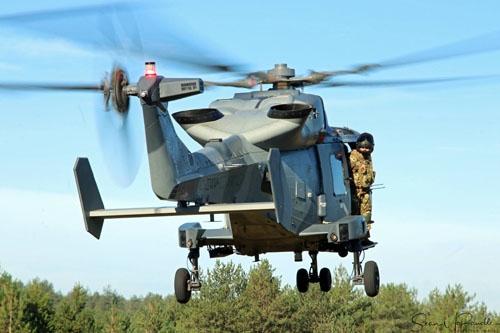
[281, 74]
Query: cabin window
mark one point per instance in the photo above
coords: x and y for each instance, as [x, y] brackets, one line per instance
[337, 174]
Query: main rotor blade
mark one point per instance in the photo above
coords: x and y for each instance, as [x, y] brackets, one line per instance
[244, 83]
[58, 87]
[65, 12]
[404, 82]
[114, 27]
[478, 44]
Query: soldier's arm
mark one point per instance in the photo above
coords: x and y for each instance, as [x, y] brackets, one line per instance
[353, 161]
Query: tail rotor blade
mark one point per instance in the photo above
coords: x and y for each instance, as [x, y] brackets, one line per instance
[119, 138]
[50, 86]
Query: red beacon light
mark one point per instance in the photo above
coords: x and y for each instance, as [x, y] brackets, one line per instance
[150, 69]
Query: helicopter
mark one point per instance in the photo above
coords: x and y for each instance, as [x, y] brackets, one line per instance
[270, 162]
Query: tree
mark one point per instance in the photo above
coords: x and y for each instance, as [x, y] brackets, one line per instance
[11, 304]
[73, 314]
[110, 311]
[39, 306]
[342, 309]
[262, 302]
[217, 306]
[450, 310]
[151, 317]
[392, 309]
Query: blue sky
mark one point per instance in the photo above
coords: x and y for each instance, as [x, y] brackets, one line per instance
[437, 147]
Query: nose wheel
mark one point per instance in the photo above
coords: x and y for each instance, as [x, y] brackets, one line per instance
[370, 277]
[304, 277]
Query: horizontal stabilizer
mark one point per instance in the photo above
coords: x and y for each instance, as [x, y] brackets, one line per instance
[94, 213]
[189, 210]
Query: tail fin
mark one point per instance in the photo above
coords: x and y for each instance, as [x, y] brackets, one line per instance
[169, 158]
[90, 198]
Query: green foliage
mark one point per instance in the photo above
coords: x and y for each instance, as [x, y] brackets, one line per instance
[110, 311]
[232, 300]
[11, 305]
[151, 316]
[392, 309]
[39, 308]
[73, 314]
[218, 304]
[454, 311]
[262, 303]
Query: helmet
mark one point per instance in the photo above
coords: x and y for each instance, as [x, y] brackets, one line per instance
[365, 140]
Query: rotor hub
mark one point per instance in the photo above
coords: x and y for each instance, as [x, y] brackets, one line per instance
[281, 71]
[119, 96]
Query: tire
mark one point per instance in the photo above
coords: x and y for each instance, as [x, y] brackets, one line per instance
[302, 280]
[182, 277]
[372, 279]
[343, 253]
[325, 279]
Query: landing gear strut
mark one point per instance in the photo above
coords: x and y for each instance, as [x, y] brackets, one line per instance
[186, 282]
[304, 278]
[370, 278]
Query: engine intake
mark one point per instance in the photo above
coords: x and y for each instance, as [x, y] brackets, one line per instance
[289, 111]
[197, 116]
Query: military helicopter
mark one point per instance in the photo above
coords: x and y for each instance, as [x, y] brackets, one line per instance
[270, 162]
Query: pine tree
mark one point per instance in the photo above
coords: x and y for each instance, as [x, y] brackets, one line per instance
[262, 301]
[39, 306]
[11, 305]
[216, 307]
[73, 314]
[392, 309]
[151, 316]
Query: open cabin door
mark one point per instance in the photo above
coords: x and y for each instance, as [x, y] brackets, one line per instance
[335, 177]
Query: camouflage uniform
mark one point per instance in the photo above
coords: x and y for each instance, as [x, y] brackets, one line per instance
[364, 176]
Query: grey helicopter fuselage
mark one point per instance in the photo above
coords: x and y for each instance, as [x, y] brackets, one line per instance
[242, 137]
[270, 163]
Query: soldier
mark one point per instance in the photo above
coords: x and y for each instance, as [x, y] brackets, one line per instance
[363, 175]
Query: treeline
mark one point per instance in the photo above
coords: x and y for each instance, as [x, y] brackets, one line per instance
[233, 300]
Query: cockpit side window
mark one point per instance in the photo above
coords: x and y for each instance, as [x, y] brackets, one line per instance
[324, 112]
[337, 168]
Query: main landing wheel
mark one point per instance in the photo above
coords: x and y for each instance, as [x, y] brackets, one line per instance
[302, 280]
[343, 253]
[325, 279]
[372, 279]
[182, 278]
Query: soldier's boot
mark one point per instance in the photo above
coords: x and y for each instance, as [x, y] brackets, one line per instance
[368, 218]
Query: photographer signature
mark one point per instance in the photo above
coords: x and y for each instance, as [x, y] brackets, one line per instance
[460, 321]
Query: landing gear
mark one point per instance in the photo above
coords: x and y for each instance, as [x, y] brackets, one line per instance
[343, 253]
[184, 281]
[370, 278]
[325, 279]
[181, 285]
[304, 278]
